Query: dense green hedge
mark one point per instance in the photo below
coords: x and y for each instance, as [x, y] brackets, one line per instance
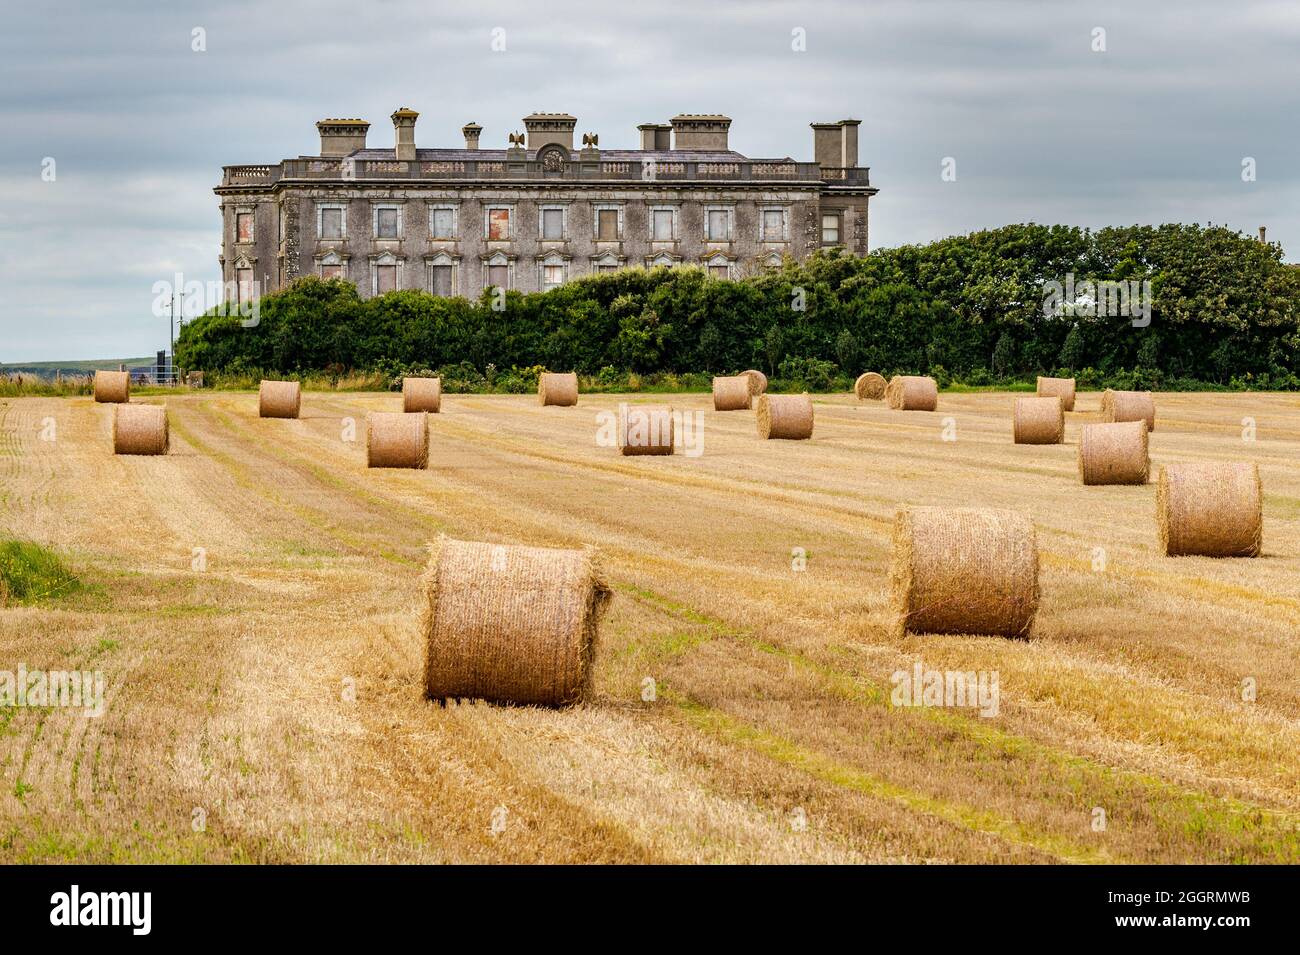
[1225, 310]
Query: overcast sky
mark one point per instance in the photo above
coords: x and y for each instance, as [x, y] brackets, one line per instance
[1041, 127]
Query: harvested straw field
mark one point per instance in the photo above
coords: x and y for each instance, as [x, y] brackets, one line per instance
[741, 693]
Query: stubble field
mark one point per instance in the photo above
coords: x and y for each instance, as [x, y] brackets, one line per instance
[251, 600]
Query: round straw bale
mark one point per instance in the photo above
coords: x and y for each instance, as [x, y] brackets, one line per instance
[557, 389]
[785, 416]
[1128, 406]
[112, 386]
[510, 624]
[645, 430]
[757, 381]
[422, 394]
[1062, 388]
[731, 394]
[397, 439]
[964, 570]
[140, 429]
[279, 399]
[912, 393]
[1210, 509]
[1114, 453]
[1038, 421]
[870, 386]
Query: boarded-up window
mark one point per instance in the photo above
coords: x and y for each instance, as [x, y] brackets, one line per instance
[607, 268]
[440, 280]
[442, 224]
[498, 225]
[331, 272]
[773, 225]
[244, 227]
[663, 225]
[831, 229]
[385, 278]
[331, 223]
[607, 224]
[719, 271]
[553, 224]
[499, 276]
[716, 225]
[244, 284]
[386, 224]
[552, 276]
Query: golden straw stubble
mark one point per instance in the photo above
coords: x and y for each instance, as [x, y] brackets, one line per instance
[757, 381]
[113, 387]
[554, 388]
[785, 416]
[1038, 421]
[1062, 388]
[1129, 406]
[397, 439]
[964, 570]
[732, 393]
[510, 624]
[1210, 509]
[422, 394]
[870, 386]
[279, 399]
[140, 429]
[1114, 453]
[645, 429]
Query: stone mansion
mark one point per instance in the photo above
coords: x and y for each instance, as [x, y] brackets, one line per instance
[537, 213]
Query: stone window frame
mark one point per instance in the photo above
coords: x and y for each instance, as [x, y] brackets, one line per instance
[442, 258]
[387, 258]
[773, 260]
[563, 208]
[250, 211]
[654, 260]
[730, 209]
[821, 227]
[245, 263]
[340, 260]
[383, 204]
[606, 259]
[498, 258]
[763, 210]
[675, 208]
[552, 259]
[320, 221]
[454, 208]
[597, 208]
[487, 213]
[714, 259]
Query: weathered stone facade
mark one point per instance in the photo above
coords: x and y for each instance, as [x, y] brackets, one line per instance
[454, 221]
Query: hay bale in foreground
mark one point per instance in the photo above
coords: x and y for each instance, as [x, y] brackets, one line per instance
[645, 430]
[912, 393]
[279, 399]
[731, 394]
[112, 387]
[1062, 388]
[1038, 421]
[422, 394]
[1128, 406]
[964, 570]
[510, 624]
[757, 381]
[557, 389]
[1210, 510]
[397, 439]
[140, 429]
[1114, 453]
[785, 416]
[870, 386]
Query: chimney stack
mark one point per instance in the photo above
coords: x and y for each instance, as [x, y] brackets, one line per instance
[546, 128]
[341, 137]
[700, 131]
[404, 133]
[656, 136]
[471, 131]
[836, 144]
[1261, 234]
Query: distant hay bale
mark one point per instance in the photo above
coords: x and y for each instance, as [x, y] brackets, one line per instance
[1038, 421]
[1210, 510]
[1114, 453]
[757, 381]
[557, 389]
[1062, 388]
[140, 429]
[912, 393]
[113, 387]
[510, 624]
[279, 399]
[422, 394]
[785, 416]
[397, 439]
[645, 430]
[1129, 406]
[870, 386]
[731, 394]
[964, 570]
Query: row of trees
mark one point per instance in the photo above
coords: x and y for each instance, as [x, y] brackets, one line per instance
[1222, 308]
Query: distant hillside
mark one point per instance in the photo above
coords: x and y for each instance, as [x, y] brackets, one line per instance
[47, 369]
